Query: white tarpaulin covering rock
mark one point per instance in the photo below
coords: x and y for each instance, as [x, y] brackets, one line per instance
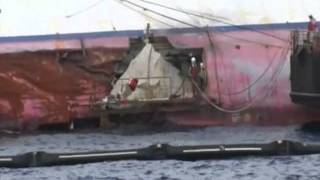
[157, 78]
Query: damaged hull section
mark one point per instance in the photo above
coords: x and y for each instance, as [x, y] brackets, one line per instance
[55, 79]
[51, 87]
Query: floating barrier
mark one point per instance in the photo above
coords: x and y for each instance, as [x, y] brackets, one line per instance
[161, 152]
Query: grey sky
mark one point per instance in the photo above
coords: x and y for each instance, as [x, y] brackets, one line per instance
[26, 17]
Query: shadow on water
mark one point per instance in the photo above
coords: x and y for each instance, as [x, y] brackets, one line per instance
[128, 128]
[309, 131]
[149, 128]
[311, 127]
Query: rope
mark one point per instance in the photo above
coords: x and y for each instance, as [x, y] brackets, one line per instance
[177, 20]
[255, 81]
[194, 26]
[251, 103]
[160, 14]
[85, 9]
[252, 41]
[215, 66]
[179, 88]
[245, 107]
[145, 15]
[214, 19]
[249, 86]
[148, 70]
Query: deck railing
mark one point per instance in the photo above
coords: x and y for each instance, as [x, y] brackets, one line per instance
[301, 38]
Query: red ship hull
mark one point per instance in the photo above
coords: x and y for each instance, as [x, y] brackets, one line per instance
[243, 71]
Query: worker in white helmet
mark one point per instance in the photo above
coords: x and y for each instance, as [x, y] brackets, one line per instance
[194, 73]
[194, 67]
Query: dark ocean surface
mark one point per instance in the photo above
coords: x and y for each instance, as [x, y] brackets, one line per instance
[281, 167]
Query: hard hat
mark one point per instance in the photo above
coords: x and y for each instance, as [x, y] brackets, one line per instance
[193, 59]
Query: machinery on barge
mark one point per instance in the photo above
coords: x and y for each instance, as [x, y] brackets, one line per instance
[305, 65]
